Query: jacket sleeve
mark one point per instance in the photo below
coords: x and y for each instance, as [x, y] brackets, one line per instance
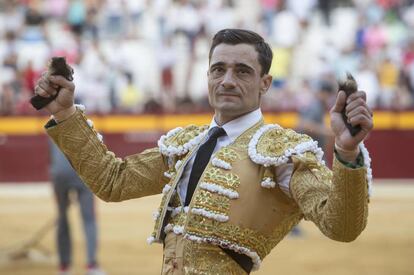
[336, 201]
[109, 177]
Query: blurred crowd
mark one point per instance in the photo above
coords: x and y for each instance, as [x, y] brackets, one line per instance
[133, 56]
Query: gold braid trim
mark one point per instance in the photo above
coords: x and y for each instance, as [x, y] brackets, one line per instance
[227, 154]
[212, 202]
[248, 238]
[158, 221]
[338, 203]
[226, 180]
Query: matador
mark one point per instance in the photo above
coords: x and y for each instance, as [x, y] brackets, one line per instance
[233, 189]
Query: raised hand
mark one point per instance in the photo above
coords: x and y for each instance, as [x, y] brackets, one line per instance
[63, 105]
[358, 113]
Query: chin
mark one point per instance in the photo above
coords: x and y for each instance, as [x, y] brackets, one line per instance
[227, 107]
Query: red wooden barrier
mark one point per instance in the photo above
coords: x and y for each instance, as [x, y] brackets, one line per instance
[24, 158]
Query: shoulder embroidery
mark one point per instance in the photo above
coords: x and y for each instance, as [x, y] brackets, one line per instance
[273, 145]
[180, 141]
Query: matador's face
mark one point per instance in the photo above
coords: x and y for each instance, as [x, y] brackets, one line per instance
[235, 85]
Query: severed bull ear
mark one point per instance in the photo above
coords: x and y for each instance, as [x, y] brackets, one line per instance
[57, 66]
[349, 86]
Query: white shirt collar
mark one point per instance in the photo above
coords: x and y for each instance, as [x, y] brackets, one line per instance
[236, 127]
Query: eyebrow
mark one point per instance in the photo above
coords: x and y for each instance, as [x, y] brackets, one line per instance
[217, 64]
[245, 66]
[238, 65]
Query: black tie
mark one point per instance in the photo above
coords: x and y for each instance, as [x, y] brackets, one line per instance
[201, 160]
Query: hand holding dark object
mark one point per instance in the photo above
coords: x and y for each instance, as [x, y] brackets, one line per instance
[57, 67]
[349, 86]
[350, 109]
[56, 90]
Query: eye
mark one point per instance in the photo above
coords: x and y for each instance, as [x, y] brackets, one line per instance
[217, 70]
[243, 72]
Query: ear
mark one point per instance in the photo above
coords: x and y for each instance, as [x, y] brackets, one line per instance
[266, 81]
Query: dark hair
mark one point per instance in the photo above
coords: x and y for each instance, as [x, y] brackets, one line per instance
[239, 36]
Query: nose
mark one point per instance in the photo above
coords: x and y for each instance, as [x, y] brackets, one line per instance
[228, 80]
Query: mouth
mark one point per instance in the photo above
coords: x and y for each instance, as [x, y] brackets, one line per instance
[229, 94]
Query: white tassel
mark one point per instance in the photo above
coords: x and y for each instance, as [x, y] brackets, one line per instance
[80, 107]
[268, 183]
[150, 240]
[178, 230]
[168, 228]
[155, 215]
[175, 211]
[90, 123]
[168, 175]
[178, 164]
[166, 189]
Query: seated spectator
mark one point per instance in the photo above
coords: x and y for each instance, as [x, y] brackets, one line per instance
[388, 74]
[131, 99]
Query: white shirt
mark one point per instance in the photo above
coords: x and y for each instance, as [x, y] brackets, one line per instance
[233, 130]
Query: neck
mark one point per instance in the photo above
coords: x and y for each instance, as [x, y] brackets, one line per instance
[221, 120]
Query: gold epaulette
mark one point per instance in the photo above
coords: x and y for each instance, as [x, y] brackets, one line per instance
[180, 141]
[273, 145]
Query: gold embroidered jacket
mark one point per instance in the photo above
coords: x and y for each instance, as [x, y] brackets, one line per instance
[237, 204]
